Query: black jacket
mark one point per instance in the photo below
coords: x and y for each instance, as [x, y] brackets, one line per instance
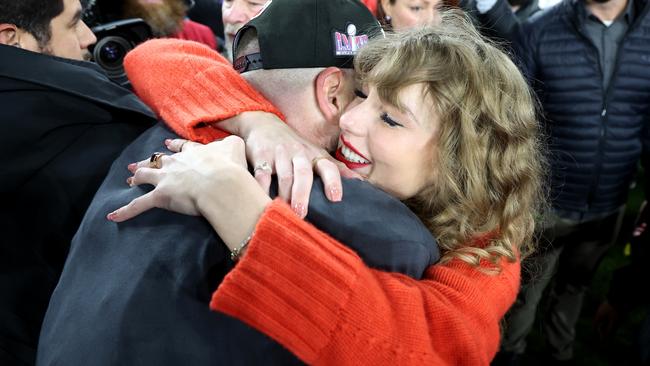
[62, 125]
[137, 293]
[596, 136]
[501, 23]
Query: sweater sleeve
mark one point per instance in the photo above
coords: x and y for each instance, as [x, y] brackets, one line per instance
[189, 86]
[317, 298]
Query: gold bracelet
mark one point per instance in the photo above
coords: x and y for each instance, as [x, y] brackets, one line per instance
[236, 253]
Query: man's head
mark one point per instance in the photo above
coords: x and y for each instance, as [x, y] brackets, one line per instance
[51, 27]
[299, 55]
[236, 13]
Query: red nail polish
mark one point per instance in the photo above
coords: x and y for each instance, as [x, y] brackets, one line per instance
[111, 216]
[132, 167]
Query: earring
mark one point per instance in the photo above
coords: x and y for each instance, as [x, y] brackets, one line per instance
[388, 18]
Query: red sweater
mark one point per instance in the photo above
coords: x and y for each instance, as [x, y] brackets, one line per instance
[301, 287]
[193, 31]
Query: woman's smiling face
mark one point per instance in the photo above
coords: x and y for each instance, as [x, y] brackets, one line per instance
[392, 147]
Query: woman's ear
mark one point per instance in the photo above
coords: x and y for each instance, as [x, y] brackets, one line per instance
[330, 85]
[9, 35]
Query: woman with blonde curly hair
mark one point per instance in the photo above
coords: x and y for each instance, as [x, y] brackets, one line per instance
[444, 121]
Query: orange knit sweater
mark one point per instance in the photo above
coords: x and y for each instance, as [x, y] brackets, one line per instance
[301, 287]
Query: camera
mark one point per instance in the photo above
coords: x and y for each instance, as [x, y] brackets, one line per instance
[115, 36]
[114, 41]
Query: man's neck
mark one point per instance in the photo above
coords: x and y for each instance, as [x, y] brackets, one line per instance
[607, 11]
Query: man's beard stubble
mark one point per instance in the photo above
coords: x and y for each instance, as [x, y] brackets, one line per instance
[230, 29]
[47, 50]
[165, 19]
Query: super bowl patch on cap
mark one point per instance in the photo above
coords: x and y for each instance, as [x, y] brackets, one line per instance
[348, 43]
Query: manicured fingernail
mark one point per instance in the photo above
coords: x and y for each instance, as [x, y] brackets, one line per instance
[132, 167]
[335, 194]
[168, 142]
[111, 216]
[129, 181]
[299, 209]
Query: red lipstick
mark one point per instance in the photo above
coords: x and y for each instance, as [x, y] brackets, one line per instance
[350, 164]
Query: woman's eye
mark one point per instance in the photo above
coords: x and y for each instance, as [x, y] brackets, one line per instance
[360, 94]
[416, 8]
[389, 121]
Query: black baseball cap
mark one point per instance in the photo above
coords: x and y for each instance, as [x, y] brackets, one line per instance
[307, 33]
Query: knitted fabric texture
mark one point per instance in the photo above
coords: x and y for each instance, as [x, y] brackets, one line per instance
[318, 299]
[191, 98]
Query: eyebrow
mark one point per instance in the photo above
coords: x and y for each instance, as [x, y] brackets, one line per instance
[76, 17]
[410, 113]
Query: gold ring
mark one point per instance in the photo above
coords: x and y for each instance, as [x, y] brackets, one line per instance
[263, 166]
[155, 161]
[315, 160]
[180, 148]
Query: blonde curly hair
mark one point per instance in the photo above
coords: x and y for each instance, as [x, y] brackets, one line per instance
[489, 163]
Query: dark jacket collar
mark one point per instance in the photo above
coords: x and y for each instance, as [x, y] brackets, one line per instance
[637, 9]
[83, 79]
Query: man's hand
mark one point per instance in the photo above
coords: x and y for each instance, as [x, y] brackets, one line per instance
[273, 147]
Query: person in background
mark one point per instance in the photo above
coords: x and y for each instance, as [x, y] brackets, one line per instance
[235, 14]
[404, 14]
[500, 18]
[63, 124]
[208, 12]
[168, 18]
[587, 61]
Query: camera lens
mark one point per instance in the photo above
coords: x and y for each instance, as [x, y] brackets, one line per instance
[112, 53]
[109, 53]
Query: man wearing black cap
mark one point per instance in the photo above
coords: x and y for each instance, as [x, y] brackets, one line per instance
[138, 292]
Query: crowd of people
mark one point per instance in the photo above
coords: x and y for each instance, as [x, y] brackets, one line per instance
[329, 182]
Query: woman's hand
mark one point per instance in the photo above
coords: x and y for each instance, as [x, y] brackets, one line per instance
[209, 180]
[183, 178]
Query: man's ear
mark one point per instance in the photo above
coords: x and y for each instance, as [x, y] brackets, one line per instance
[9, 34]
[331, 88]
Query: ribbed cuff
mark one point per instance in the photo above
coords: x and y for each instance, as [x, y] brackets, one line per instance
[201, 87]
[291, 284]
[208, 97]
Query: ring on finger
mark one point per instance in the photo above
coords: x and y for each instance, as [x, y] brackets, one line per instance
[315, 160]
[263, 166]
[180, 148]
[155, 161]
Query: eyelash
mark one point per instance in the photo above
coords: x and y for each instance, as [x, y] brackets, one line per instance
[384, 116]
[389, 121]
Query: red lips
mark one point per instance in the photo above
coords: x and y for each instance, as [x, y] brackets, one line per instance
[350, 164]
